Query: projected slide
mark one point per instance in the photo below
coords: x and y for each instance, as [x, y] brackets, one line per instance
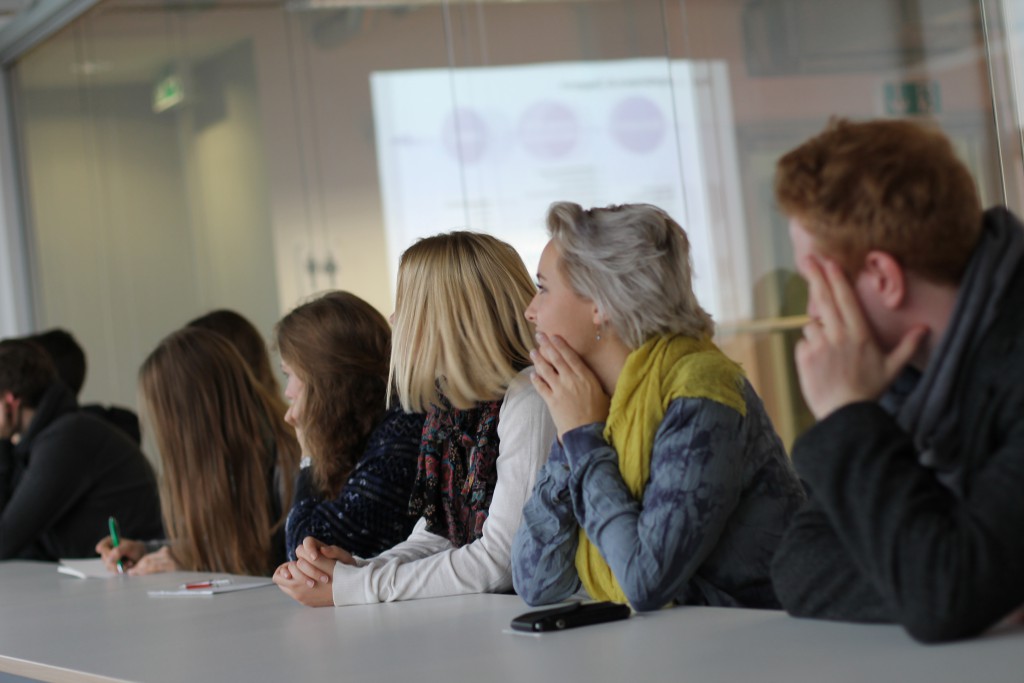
[490, 148]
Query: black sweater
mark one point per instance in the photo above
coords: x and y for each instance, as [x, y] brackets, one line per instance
[881, 539]
[66, 476]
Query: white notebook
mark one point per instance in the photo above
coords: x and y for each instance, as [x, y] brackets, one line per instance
[91, 568]
[233, 584]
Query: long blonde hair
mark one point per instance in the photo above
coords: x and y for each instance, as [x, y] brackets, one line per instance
[221, 442]
[460, 325]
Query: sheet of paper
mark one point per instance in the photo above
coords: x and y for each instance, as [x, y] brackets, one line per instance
[91, 568]
[237, 584]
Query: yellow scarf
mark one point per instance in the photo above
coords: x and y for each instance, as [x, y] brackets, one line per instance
[660, 371]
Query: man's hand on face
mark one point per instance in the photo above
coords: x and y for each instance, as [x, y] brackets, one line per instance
[8, 415]
[839, 361]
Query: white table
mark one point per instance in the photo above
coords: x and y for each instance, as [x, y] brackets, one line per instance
[58, 628]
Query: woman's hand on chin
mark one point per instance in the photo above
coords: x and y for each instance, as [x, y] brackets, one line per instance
[571, 390]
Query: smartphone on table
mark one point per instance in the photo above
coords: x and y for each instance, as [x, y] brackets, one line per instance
[570, 616]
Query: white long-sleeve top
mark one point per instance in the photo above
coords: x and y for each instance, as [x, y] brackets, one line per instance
[427, 565]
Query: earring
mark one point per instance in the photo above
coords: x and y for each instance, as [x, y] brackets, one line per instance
[597, 335]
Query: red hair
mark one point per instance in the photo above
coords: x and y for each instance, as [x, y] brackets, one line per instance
[891, 185]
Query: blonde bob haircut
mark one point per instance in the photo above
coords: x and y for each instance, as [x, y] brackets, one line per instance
[633, 262]
[460, 327]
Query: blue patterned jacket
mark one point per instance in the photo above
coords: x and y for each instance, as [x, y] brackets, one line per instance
[371, 514]
[720, 494]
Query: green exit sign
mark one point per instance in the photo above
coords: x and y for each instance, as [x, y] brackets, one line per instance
[913, 98]
[169, 92]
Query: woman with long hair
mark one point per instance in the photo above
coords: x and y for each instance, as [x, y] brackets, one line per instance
[460, 352]
[248, 341]
[669, 483]
[361, 455]
[229, 461]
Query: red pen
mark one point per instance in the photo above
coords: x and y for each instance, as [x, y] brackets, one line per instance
[211, 583]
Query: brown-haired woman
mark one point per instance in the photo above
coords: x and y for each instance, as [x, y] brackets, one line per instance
[248, 341]
[229, 461]
[362, 456]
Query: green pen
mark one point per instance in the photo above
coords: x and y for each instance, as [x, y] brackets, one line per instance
[115, 540]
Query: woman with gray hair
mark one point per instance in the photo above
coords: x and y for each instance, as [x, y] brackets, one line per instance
[668, 483]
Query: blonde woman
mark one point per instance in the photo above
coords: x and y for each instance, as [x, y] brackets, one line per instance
[669, 484]
[460, 352]
[229, 461]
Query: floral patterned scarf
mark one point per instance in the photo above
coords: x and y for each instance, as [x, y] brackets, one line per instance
[457, 470]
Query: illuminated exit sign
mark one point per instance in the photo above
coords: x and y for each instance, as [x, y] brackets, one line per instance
[912, 98]
[169, 92]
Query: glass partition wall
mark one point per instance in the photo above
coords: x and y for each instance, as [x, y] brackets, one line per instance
[188, 155]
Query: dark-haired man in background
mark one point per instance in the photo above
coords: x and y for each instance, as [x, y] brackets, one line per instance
[69, 360]
[63, 472]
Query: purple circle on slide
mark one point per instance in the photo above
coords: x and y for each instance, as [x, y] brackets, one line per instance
[464, 135]
[548, 129]
[638, 124]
